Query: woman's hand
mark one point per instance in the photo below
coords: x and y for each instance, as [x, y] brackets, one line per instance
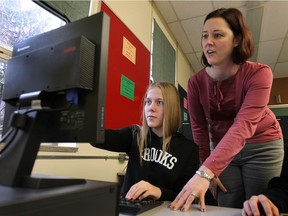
[195, 188]
[259, 205]
[143, 189]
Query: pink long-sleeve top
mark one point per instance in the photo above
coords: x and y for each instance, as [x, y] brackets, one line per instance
[231, 113]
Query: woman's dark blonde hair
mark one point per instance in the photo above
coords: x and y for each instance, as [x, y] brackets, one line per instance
[172, 115]
[238, 26]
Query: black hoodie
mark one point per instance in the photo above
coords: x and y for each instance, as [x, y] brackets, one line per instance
[169, 171]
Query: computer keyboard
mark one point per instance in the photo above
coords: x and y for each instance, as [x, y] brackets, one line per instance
[134, 207]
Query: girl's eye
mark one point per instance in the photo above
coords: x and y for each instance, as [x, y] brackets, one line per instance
[160, 103]
[148, 102]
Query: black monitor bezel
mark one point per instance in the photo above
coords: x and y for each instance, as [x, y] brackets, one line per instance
[92, 103]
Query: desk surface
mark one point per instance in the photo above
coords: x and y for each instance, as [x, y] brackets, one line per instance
[163, 210]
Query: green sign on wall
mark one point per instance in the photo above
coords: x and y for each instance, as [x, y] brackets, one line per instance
[127, 88]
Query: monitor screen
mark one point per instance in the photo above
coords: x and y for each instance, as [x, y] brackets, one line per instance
[55, 87]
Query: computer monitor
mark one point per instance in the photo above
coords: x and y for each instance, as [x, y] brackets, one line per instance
[283, 121]
[55, 88]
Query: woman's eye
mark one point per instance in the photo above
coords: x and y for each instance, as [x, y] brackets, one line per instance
[218, 35]
[204, 36]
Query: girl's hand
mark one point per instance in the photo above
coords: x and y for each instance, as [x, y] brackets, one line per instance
[143, 189]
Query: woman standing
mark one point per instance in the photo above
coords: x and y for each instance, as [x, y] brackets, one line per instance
[240, 141]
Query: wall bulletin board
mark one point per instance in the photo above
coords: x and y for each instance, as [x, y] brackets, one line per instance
[128, 74]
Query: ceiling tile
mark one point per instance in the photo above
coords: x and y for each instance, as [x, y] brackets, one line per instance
[166, 10]
[273, 24]
[194, 62]
[284, 52]
[280, 70]
[274, 48]
[254, 20]
[199, 54]
[227, 4]
[189, 9]
[180, 36]
[193, 29]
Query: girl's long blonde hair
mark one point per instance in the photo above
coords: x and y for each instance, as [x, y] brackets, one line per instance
[172, 116]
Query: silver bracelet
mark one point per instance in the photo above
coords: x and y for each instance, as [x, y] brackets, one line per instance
[203, 174]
